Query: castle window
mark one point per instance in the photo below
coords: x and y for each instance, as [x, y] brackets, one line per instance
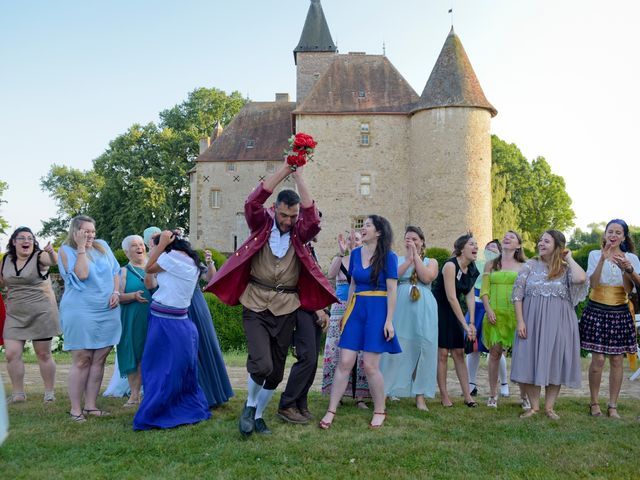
[364, 139]
[230, 167]
[364, 127]
[250, 143]
[361, 94]
[271, 167]
[214, 198]
[365, 184]
[357, 222]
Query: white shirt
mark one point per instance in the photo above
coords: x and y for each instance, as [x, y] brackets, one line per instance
[611, 274]
[279, 242]
[178, 281]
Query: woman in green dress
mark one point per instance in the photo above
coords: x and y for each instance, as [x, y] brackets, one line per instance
[499, 325]
[134, 308]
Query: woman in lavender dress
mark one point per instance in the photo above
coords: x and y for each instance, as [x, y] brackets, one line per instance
[546, 348]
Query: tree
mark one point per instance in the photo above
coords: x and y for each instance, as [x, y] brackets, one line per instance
[3, 223]
[532, 192]
[142, 175]
[73, 190]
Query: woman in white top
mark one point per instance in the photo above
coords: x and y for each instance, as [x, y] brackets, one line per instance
[170, 360]
[607, 327]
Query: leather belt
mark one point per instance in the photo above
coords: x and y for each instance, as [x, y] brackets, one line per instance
[274, 288]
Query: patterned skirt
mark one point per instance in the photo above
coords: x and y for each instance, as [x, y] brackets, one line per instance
[607, 329]
[358, 386]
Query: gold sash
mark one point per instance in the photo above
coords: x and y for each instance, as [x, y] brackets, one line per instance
[352, 302]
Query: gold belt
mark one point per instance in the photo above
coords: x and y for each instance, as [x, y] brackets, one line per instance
[352, 302]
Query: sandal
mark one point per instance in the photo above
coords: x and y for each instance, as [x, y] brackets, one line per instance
[598, 412]
[471, 404]
[529, 413]
[49, 396]
[77, 418]
[131, 403]
[95, 412]
[384, 417]
[327, 425]
[612, 410]
[449, 405]
[362, 405]
[17, 397]
[552, 414]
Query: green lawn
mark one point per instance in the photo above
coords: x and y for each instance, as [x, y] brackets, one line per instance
[444, 443]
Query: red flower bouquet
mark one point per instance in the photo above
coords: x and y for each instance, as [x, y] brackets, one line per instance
[300, 150]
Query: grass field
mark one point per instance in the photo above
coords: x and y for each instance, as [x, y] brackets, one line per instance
[443, 443]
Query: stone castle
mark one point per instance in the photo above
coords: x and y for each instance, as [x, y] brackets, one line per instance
[415, 159]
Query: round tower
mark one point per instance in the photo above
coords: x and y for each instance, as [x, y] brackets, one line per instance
[450, 160]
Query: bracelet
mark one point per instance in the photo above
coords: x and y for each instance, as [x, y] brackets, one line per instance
[80, 253]
[115, 293]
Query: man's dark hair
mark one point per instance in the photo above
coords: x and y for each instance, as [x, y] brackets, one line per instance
[288, 197]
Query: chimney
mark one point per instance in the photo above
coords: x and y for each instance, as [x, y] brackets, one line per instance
[282, 97]
[204, 144]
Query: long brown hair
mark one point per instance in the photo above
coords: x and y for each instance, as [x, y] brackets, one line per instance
[556, 263]
[518, 255]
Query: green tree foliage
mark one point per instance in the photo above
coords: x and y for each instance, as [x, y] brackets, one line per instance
[73, 191]
[528, 197]
[3, 223]
[141, 179]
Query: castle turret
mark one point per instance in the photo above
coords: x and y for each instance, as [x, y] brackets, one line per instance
[450, 160]
[315, 50]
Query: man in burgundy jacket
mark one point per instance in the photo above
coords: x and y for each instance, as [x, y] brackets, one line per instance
[272, 275]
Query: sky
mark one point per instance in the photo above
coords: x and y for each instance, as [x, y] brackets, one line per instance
[563, 76]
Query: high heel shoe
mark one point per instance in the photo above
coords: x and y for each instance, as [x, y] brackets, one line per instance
[597, 413]
[384, 415]
[327, 425]
[612, 410]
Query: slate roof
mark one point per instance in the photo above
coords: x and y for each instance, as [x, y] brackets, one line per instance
[359, 83]
[267, 124]
[315, 36]
[452, 82]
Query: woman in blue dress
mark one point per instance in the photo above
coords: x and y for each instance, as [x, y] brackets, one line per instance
[367, 323]
[170, 359]
[212, 372]
[89, 312]
[413, 372]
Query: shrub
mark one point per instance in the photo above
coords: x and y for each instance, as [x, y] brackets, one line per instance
[218, 258]
[439, 254]
[581, 256]
[228, 323]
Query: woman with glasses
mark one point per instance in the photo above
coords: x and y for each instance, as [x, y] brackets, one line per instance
[32, 313]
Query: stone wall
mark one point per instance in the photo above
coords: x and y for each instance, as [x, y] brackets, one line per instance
[309, 68]
[450, 171]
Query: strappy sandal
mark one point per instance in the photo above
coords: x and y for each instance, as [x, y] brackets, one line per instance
[17, 397]
[552, 414]
[327, 425]
[384, 415]
[529, 413]
[471, 404]
[131, 404]
[77, 418]
[612, 411]
[598, 413]
[95, 412]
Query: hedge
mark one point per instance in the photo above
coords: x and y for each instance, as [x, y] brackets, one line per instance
[227, 322]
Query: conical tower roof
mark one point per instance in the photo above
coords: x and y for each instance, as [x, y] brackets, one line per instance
[316, 36]
[452, 82]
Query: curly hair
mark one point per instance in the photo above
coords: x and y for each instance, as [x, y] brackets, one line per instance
[11, 248]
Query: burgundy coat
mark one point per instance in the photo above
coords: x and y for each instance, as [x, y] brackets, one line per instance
[230, 281]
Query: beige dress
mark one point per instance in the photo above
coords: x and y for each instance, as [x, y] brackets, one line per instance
[32, 312]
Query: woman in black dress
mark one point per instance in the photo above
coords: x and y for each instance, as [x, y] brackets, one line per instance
[456, 277]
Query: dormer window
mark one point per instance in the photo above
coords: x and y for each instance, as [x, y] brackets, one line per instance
[361, 94]
[251, 143]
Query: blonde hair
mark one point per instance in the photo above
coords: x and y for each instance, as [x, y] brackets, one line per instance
[74, 226]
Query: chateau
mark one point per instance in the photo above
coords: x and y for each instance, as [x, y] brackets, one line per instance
[415, 159]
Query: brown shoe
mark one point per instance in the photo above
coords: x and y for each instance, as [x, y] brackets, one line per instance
[292, 415]
[306, 413]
